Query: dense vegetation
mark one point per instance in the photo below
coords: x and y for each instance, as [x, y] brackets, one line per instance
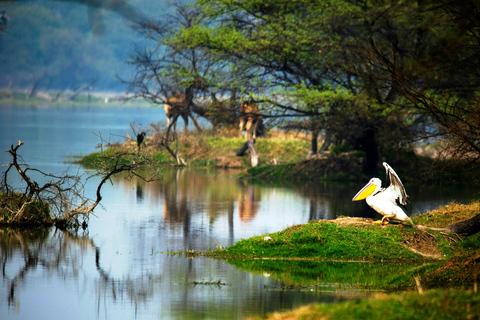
[373, 76]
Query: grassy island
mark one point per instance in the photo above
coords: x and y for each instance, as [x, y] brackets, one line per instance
[423, 270]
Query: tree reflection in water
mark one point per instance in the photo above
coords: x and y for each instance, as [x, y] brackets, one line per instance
[62, 253]
[170, 287]
[119, 267]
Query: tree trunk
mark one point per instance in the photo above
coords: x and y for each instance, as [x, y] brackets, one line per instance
[314, 148]
[369, 146]
[327, 142]
[466, 228]
[241, 151]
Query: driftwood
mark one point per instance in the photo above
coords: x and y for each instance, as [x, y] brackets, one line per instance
[174, 153]
[467, 227]
[250, 146]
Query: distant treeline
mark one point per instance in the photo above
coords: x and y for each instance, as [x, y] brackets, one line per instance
[57, 45]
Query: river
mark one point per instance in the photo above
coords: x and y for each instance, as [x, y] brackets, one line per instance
[124, 266]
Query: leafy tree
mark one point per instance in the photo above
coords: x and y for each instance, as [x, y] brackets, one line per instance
[427, 53]
[300, 51]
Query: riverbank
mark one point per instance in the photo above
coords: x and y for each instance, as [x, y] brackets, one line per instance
[67, 98]
[209, 149]
[435, 304]
[282, 156]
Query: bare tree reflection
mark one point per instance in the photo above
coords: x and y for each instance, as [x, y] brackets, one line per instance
[175, 209]
[58, 254]
[184, 194]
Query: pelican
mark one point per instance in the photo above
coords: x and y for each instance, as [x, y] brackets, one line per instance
[389, 201]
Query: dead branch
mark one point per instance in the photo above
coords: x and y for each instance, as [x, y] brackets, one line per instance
[61, 200]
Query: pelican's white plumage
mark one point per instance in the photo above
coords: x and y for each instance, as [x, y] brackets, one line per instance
[389, 201]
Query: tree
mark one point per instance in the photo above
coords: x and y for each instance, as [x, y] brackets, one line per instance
[300, 52]
[428, 54]
[166, 69]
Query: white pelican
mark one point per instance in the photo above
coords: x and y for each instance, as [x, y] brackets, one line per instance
[389, 201]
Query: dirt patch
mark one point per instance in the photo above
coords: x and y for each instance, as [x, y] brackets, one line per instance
[347, 221]
[423, 243]
[228, 162]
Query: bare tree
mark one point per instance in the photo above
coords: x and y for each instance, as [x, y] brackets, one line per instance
[60, 200]
[166, 68]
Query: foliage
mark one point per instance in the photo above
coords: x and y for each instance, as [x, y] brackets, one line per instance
[428, 52]
[373, 75]
[35, 213]
[310, 72]
[166, 67]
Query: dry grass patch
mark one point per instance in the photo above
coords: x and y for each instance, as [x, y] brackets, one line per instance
[449, 214]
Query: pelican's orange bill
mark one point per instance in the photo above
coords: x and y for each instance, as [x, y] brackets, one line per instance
[365, 192]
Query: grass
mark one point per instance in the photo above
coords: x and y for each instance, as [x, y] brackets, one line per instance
[324, 240]
[35, 213]
[448, 214]
[434, 304]
[207, 149]
[351, 239]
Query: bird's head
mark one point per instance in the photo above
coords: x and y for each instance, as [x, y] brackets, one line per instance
[373, 185]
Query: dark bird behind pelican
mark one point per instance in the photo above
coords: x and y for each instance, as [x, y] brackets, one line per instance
[140, 138]
[389, 201]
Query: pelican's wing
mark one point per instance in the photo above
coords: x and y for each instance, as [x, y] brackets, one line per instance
[395, 186]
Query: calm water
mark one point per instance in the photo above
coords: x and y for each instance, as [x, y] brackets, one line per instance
[119, 269]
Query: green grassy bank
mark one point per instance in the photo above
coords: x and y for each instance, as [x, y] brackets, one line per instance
[435, 304]
[438, 270]
[206, 149]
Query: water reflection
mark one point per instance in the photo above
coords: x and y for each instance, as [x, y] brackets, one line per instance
[117, 269]
[46, 271]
